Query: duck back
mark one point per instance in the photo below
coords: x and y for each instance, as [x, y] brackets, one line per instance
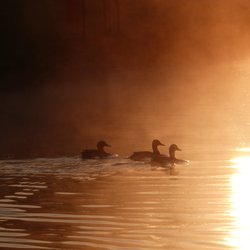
[94, 154]
[90, 154]
[147, 155]
[162, 160]
[141, 155]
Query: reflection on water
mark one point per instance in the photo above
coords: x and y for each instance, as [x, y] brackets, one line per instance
[67, 203]
[240, 202]
[241, 150]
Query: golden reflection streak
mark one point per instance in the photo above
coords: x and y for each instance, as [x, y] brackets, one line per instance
[240, 183]
[242, 150]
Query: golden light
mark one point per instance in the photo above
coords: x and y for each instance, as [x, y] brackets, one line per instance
[240, 150]
[240, 202]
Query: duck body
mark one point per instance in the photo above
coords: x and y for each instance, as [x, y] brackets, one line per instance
[93, 154]
[98, 153]
[147, 155]
[168, 161]
[141, 155]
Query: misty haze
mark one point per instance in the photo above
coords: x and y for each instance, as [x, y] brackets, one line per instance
[75, 72]
[125, 124]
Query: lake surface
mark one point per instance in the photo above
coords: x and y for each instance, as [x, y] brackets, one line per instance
[67, 203]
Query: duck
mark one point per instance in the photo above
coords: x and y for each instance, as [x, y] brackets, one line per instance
[96, 153]
[145, 155]
[168, 161]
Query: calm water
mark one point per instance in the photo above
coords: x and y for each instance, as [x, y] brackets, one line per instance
[67, 203]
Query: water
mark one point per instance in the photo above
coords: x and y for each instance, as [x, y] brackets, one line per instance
[117, 204]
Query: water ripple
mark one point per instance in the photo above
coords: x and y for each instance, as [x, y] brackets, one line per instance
[117, 204]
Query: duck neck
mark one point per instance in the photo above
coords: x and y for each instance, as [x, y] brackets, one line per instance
[101, 150]
[172, 153]
[155, 149]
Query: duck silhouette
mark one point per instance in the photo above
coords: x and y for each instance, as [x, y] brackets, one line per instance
[168, 161]
[96, 153]
[145, 155]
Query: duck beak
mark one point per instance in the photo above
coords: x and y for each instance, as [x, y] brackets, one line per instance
[161, 144]
[178, 149]
[107, 145]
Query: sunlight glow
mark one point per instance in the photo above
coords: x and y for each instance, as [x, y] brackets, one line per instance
[239, 238]
[243, 150]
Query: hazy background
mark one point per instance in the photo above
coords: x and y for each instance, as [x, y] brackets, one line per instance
[127, 71]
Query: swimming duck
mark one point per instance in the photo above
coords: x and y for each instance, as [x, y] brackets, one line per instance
[96, 153]
[171, 160]
[144, 155]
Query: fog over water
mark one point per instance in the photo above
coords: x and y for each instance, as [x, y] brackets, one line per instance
[74, 72]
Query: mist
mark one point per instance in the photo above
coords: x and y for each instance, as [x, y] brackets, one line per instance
[75, 72]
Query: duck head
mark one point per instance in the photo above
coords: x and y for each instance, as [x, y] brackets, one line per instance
[172, 150]
[155, 144]
[101, 145]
